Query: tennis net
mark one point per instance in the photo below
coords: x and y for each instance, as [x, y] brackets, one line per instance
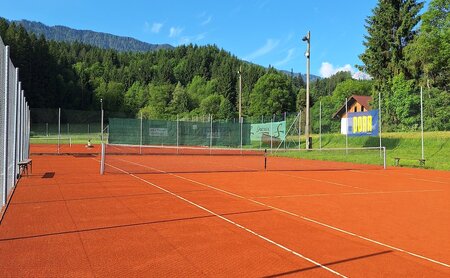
[137, 159]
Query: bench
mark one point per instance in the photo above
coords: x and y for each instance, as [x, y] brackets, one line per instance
[23, 166]
[397, 161]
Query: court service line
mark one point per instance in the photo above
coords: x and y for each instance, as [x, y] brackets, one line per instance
[346, 193]
[324, 181]
[234, 223]
[409, 176]
[299, 216]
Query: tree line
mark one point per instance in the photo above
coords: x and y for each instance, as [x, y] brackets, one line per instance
[400, 54]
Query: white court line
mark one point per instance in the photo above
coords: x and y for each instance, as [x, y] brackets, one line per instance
[299, 216]
[430, 181]
[231, 222]
[324, 181]
[347, 193]
[404, 174]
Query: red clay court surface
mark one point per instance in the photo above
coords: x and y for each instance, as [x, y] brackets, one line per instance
[67, 220]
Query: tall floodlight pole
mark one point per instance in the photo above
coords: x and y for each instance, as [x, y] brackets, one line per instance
[307, 39]
[101, 108]
[240, 93]
[421, 118]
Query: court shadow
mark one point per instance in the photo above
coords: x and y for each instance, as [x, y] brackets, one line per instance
[329, 264]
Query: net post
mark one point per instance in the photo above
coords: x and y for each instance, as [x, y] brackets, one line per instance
[265, 159]
[102, 160]
[59, 127]
[384, 158]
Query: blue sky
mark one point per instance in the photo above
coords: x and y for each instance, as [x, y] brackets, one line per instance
[265, 32]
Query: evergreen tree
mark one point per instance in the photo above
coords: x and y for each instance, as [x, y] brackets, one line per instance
[390, 29]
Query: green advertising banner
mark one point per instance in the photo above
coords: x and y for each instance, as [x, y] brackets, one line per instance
[274, 130]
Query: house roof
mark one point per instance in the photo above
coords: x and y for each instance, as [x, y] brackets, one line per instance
[363, 100]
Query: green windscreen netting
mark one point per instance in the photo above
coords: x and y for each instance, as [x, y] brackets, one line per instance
[174, 133]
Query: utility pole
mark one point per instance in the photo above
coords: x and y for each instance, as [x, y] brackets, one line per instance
[240, 93]
[307, 39]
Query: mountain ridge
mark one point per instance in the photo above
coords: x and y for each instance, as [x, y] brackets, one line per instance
[99, 39]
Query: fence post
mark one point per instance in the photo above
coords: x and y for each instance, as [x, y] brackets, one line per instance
[178, 127]
[210, 138]
[59, 127]
[5, 130]
[140, 136]
[299, 130]
[346, 132]
[285, 135]
[271, 132]
[15, 128]
[320, 125]
[379, 117]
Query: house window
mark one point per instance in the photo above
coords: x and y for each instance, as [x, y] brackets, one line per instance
[356, 109]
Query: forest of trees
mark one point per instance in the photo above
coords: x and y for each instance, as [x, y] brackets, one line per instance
[404, 50]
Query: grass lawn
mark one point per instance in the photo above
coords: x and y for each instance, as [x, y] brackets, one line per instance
[405, 145]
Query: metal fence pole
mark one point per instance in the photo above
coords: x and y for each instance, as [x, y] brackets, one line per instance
[320, 125]
[300, 129]
[421, 119]
[241, 123]
[102, 161]
[59, 127]
[140, 137]
[271, 132]
[19, 111]
[285, 135]
[101, 108]
[211, 135]
[379, 118]
[178, 138]
[346, 131]
[15, 128]
[5, 130]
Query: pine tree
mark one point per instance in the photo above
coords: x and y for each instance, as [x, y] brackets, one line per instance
[390, 29]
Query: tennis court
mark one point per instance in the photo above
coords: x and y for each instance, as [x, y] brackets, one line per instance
[199, 215]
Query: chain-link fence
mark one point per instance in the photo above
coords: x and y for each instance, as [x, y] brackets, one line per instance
[266, 132]
[57, 129]
[14, 125]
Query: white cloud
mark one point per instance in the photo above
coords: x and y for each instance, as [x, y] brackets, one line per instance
[156, 27]
[327, 70]
[206, 21]
[175, 32]
[189, 39]
[266, 48]
[287, 59]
